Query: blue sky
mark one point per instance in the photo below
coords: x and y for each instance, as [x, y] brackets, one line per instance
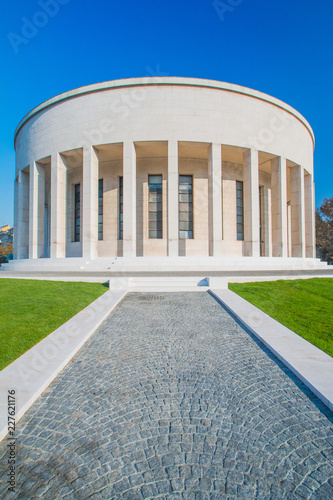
[280, 47]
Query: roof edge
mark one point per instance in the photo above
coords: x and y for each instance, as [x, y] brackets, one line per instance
[170, 80]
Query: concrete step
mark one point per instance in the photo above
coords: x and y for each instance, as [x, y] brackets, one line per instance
[200, 265]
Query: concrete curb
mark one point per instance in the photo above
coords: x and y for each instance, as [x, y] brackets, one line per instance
[311, 365]
[31, 373]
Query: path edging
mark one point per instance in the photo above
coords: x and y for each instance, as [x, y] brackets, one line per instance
[30, 374]
[311, 365]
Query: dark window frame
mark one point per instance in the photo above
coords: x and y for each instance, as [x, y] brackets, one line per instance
[155, 206]
[77, 213]
[121, 208]
[185, 206]
[100, 209]
[240, 210]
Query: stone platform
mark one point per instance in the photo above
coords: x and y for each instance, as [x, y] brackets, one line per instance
[182, 274]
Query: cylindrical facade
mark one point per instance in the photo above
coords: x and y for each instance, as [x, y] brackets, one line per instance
[164, 167]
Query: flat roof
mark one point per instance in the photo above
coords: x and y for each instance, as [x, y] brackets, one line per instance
[159, 81]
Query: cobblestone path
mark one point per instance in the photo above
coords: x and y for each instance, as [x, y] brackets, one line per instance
[172, 399]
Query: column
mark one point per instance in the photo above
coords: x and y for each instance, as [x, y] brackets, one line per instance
[90, 203]
[314, 251]
[215, 199]
[58, 206]
[41, 212]
[309, 215]
[33, 211]
[173, 197]
[279, 207]
[16, 221]
[297, 211]
[22, 228]
[129, 199]
[267, 221]
[251, 203]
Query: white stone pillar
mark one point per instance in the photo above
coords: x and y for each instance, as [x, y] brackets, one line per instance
[90, 203]
[290, 250]
[251, 203]
[297, 211]
[279, 207]
[173, 199]
[58, 206]
[16, 221]
[215, 199]
[267, 221]
[309, 215]
[33, 211]
[129, 199]
[41, 212]
[22, 202]
[314, 252]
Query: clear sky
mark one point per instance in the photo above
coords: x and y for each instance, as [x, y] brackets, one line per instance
[281, 47]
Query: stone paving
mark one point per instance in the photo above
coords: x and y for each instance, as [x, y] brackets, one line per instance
[172, 399]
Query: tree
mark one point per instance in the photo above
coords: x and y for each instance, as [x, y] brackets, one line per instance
[4, 251]
[324, 229]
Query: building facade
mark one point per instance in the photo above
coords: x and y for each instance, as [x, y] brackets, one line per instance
[164, 167]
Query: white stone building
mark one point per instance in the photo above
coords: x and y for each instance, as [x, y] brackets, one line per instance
[164, 167]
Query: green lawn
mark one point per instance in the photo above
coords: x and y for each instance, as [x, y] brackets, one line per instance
[31, 309]
[304, 306]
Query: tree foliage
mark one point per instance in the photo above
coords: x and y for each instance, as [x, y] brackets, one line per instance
[324, 229]
[4, 251]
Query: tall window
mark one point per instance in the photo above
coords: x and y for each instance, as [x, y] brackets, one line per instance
[155, 206]
[120, 209]
[240, 210]
[100, 209]
[185, 207]
[77, 212]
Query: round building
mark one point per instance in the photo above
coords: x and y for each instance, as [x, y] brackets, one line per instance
[164, 167]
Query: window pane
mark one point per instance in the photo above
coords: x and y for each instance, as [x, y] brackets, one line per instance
[155, 207]
[155, 215]
[186, 197]
[155, 197]
[186, 235]
[185, 207]
[155, 224]
[155, 179]
[239, 211]
[185, 216]
[187, 225]
[185, 179]
[185, 188]
[100, 209]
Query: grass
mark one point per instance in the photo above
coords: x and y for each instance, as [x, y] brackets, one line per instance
[31, 309]
[304, 306]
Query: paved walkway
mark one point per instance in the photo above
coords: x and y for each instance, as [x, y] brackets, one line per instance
[172, 399]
